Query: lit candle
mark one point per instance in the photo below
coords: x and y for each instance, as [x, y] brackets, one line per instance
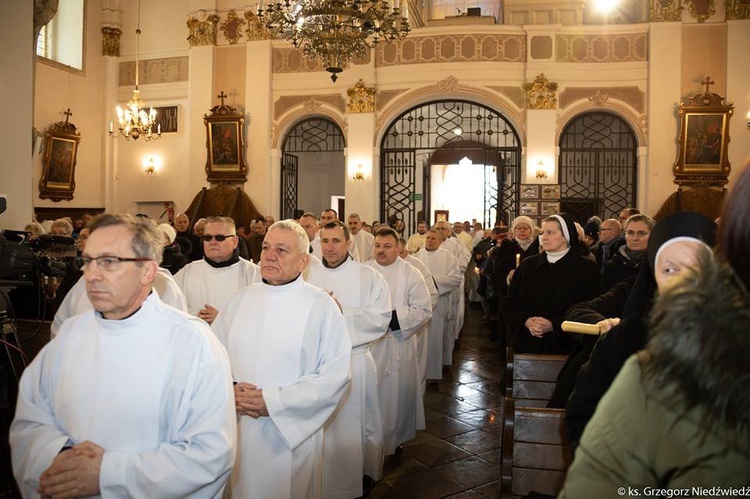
[518, 259]
[111, 127]
[158, 128]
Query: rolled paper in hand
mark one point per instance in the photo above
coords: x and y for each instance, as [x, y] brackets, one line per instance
[518, 259]
[580, 327]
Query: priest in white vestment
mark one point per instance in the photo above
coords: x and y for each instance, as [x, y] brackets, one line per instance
[210, 282]
[133, 398]
[416, 241]
[354, 439]
[422, 334]
[395, 354]
[76, 301]
[448, 277]
[463, 257]
[292, 364]
[362, 240]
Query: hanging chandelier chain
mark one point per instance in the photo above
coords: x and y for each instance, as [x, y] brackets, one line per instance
[134, 122]
[334, 31]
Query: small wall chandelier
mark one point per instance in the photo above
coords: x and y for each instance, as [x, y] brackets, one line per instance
[334, 31]
[134, 122]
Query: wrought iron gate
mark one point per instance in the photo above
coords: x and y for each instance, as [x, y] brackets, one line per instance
[310, 135]
[447, 126]
[598, 166]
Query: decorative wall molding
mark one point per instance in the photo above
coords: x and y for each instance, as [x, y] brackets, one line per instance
[202, 32]
[361, 99]
[449, 84]
[232, 27]
[290, 60]
[111, 41]
[700, 10]
[167, 70]
[541, 93]
[637, 120]
[616, 47]
[598, 96]
[665, 11]
[311, 104]
[737, 9]
[452, 48]
[284, 122]
[515, 94]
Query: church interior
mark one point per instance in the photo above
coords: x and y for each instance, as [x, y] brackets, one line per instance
[484, 110]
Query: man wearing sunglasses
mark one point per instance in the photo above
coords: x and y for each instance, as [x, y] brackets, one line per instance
[131, 399]
[209, 283]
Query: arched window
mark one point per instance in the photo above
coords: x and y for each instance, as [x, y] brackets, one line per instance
[598, 166]
[61, 40]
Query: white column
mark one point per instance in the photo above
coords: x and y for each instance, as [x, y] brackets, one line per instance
[201, 100]
[110, 67]
[17, 86]
[263, 185]
[663, 96]
[361, 195]
[738, 76]
[540, 145]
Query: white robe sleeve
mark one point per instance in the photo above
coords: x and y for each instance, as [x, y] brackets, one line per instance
[68, 306]
[418, 309]
[369, 320]
[450, 281]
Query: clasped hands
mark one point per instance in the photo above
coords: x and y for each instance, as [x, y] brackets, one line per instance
[248, 399]
[73, 473]
[538, 326]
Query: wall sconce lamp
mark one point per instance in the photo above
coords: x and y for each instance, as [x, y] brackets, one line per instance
[150, 167]
[541, 171]
[359, 173]
[747, 119]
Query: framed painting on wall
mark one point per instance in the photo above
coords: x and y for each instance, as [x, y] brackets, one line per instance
[59, 162]
[529, 191]
[529, 208]
[225, 144]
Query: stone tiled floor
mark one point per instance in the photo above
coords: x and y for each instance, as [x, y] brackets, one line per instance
[457, 456]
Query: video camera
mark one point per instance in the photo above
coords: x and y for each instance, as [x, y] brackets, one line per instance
[21, 257]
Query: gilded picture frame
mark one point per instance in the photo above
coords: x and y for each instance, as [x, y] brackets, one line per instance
[703, 142]
[59, 162]
[225, 145]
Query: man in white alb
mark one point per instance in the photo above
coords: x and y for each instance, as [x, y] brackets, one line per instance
[209, 283]
[463, 257]
[292, 364]
[448, 277]
[362, 239]
[396, 353]
[133, 398]
[354, 439]
[416, 241]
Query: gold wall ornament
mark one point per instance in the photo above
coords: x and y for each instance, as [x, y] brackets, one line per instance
[449, 84]
[737, 9]
[111, 41]
[541, 93]
[701, 10]
[599, 99]
[256, 30]
[202, 32]
[361, 98]
[232, 27]
[665, 11]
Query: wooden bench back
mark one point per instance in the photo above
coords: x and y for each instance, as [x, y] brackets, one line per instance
[535, 454]
[532, 377]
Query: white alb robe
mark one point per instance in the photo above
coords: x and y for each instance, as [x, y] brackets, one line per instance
[423, 334]
[458, 298]
[206, 285]
[399, 389]
[447, 276]
[77, 301]
[297, 350]
[416, 242]
[364, 242]
[354, 439]
[153, 389]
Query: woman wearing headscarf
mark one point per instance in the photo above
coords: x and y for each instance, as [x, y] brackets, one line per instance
[545, 286]
[622, 315]
[677, 417]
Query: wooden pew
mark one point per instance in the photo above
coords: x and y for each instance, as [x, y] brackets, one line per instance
[534, 454]
[530, 378]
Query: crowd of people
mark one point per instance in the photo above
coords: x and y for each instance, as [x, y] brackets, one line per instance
[290, 358]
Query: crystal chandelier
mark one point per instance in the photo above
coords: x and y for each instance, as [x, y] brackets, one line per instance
[334, 31]
[134, 122]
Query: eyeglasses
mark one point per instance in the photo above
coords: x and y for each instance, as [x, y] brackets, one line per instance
[219, 237]
[106, 263]
[603, 230]
[640, 233]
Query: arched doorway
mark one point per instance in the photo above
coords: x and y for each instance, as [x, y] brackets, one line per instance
[312, 154]
[445, 132]
[598, 166]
